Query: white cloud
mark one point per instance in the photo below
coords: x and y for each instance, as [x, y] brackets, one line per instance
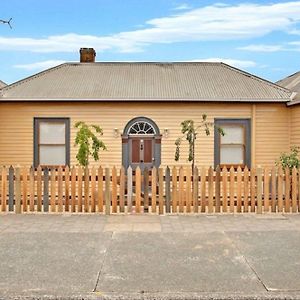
[217, 22]
[233, 62]
[183, 6]
[41, 65]
[262, 48]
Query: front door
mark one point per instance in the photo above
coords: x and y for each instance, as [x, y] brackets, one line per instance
[141, 152]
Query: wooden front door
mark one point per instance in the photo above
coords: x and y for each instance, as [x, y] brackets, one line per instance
[141, 152]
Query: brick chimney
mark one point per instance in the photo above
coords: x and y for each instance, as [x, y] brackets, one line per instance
[87, 55]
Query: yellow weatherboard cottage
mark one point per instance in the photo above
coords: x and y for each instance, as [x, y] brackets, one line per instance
[140, 107]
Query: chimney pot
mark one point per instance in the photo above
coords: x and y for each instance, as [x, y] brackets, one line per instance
[87, 55]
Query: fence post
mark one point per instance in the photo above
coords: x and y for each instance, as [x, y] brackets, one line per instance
[24, 175]
[31, 189]
[67, 187]
[174, 190]
[53, 190]
[93, 190]
[161, 191]
[60, 189]
[181, 190]
[195, 190]
[138, 183]
[266, 189]
[18, 191]
[79, 189]
[168, 191]
[253, 189]
[114, 190]
[294, 190]
[146, 190]
[231, 186]
[86, 189]
[153, 187]
[4, 189]
[122, 190]
[224, 190]
[203, 189]
[11, 189]
[246, 189]
[217, 189]
[210, 190]
[273, 191]
[100, 189]
[188, 190]
[39, 188]
[239, 190]
[46, 190]
[259, 191]
[280, 189]
[129, 189]
[73, 189]
[107, 191]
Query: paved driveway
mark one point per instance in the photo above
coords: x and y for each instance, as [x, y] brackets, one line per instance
[144, 256]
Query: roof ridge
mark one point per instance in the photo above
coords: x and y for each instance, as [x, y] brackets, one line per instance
[255, 77]
[31, 77]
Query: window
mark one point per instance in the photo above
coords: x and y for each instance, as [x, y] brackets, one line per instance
[233, 149]
[51, 141]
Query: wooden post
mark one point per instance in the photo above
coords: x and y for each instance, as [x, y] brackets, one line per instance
[138, 183]
[210, 190]
[4, 189]
[100, 189]
[196, 190]
[231, 187]
[218, 189]
[31, 189]
[273, 191]
[153, 187]
[60, 189]
[266, 189]
[259, 190]
[174, 190]
[161, 191]
[146, 190]
[239, 190]
[168, 190]
[107, 191]
[203, 189]
[79, 189]
[181, 190]
[11, 189]
[129, 189]
[18, 191]
[93, 190]
[246, 189]
[73, 189]
[86, 189]
[280, 189]
[67, 188]
[224, 190]
[253, 189]
[46, 190]
[53, 190]
[122, 190]
[188, 190]
[39, 188]
[287, 205]
[24, 179]
[294, 190]
[114, 190]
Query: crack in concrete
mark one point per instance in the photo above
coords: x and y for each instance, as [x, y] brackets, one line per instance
[247, 262]
[104, 258]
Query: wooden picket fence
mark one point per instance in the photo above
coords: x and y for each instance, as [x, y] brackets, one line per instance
[175, 190]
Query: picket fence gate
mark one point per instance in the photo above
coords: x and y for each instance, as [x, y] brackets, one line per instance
[162, 190]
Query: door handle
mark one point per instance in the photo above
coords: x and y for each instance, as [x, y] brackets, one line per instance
[153, 159]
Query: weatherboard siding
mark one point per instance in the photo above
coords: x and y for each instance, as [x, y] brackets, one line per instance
[295, 125]
[16, 130]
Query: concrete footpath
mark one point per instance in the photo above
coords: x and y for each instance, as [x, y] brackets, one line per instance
[149, 257]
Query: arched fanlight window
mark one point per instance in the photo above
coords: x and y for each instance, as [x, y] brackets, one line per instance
[141, 127]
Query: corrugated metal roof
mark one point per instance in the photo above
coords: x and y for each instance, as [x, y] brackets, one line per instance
[2, 84]
[190, 81]
[292, 83]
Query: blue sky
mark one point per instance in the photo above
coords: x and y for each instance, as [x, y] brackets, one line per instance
[261, 37]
